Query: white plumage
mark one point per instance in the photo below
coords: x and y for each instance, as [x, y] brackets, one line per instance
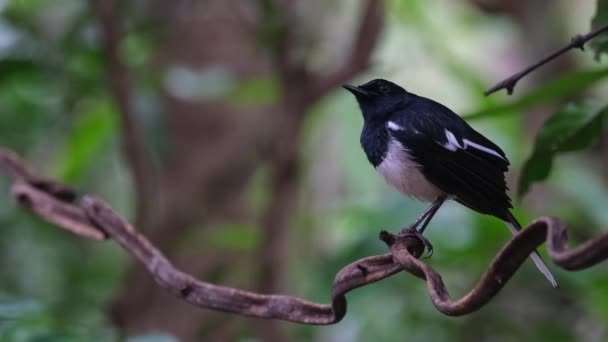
[401, 171]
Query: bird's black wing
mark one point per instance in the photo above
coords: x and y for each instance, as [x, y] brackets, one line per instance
[455, 158]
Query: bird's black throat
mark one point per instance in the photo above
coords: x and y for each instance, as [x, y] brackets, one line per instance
[378, 100]
[374, 140]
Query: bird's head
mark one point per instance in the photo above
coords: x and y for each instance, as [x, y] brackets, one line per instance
[378, 98]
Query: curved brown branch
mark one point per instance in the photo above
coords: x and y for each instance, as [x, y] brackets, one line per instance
[59, 213]
[577, 42]
[17, 170]
[230, 299]
[94, 219]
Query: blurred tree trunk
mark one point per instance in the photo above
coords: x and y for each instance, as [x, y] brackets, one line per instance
[216, 146]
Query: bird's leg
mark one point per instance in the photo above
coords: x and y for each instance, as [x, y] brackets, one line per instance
[425, 218]
[427, 215]
[434, 209]
[420, 218]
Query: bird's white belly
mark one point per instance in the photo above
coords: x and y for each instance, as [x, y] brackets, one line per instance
[400, 170]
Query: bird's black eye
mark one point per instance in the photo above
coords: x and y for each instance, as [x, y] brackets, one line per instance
[383, 89]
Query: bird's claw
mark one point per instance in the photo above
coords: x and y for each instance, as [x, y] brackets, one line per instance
[428, 247]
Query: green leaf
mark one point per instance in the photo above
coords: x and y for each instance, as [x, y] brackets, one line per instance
[600, 43]
[559, 88]
[574, 127]
[92, 130]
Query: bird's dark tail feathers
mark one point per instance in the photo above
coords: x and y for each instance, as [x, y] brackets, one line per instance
[515, 227]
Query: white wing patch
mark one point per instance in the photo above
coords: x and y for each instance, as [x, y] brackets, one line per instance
[454, 145]
[468, 143]
[393, 126]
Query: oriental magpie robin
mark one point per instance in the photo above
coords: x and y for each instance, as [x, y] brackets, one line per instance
[427, 152]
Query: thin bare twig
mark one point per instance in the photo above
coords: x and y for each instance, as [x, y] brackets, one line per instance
[577, 42]
[93, 219]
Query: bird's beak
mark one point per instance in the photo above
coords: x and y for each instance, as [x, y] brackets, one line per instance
[355, 90]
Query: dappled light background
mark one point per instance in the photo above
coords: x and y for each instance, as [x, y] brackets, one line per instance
[247, 169]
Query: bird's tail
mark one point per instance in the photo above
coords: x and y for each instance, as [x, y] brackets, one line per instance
[515, 227]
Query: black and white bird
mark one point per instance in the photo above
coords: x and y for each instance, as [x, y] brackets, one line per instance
[429, 153]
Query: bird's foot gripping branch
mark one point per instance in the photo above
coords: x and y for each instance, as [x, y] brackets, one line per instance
[413, 232]
[93, 219]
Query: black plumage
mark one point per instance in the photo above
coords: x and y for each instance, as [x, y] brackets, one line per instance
[470, 176]
[428, 152]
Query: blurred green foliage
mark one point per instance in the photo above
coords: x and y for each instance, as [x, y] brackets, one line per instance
[91, 132]
[575, 127]
[600, 44]
[561, 88]
[55, 109]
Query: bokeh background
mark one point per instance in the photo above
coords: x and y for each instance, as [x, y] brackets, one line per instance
[219, 127]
